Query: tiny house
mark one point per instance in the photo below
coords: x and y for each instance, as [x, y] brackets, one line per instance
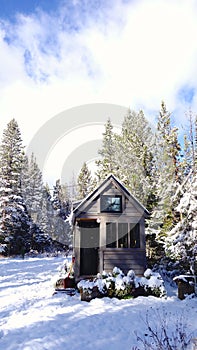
[109, 231]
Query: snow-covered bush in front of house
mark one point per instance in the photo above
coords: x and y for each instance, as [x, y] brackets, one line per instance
[114, 284]
[118, 285]
[152, 283]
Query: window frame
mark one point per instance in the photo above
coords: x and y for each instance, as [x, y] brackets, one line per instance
[103, 201]
[123, 241]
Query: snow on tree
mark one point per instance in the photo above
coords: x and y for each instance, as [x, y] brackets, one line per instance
[181, 242]
[60, 199]
[45, 218]
[14, 218]
[134, 156]
[73, 189]
[37, 203]
[62, 207]
[168, 175]
[106, 164]
[40, 241]
[84, 182]
[189, 143]
[32, 187]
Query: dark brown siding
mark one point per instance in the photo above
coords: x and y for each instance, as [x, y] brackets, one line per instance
[125, 259]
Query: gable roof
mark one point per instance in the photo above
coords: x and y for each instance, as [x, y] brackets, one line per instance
[98, 190]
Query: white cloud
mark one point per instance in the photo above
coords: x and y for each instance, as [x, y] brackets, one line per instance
[133, 54]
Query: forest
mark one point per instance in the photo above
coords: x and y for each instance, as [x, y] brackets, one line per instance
[158, 166]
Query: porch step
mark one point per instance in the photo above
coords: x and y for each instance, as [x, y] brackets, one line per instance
[68, 291]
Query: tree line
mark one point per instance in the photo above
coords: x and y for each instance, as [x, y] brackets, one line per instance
[158, 169]
[31, 218]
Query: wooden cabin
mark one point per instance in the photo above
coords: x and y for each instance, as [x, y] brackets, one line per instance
[109, 231]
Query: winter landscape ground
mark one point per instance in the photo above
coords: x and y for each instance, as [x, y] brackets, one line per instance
[32, 317]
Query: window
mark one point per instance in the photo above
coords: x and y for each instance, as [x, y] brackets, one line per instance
[111, 235]
[122, 235]
[111, 203]
[135, 235]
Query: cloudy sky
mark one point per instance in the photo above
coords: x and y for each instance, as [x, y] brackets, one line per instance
[60, 54]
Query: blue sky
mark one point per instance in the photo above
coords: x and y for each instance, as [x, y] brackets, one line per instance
[9, 8]
[56, 55]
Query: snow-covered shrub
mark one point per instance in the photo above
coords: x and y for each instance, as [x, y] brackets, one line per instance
[118, 285]
[91, 289]
[114, 284]
[152, 283]
[148, 273]
[116, 272]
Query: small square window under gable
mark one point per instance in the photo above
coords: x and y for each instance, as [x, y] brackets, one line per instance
[111, 203]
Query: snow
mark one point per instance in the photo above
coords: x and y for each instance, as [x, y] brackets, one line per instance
[32, 317]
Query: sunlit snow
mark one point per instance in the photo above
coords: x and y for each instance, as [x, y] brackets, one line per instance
[32, 317]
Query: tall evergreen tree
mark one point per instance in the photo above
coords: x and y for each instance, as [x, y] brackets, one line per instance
[45, 218]
[168, 172]
[186, 163]
[62, 207]
[106, 164]
[32, 187]
[188, 160]
[14, 219]
[60, 200]
[181, 242]
[84, 182]
[134, 154]
[73, 189]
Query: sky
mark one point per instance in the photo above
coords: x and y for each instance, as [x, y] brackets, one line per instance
[58, 55]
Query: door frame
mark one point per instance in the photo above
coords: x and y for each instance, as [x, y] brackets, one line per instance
[93, 263]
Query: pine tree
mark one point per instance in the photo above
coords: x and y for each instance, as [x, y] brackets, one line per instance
[191, 134]
[186, 163]
[135, 157]
[189, 144]
[40, 241]
[168, 175]
[45, 218]
[62, 207]
[181, 242]
[106, 164]
[73, 189]
[60, 200]
[32, 187]
[84, 182]
[14, 219]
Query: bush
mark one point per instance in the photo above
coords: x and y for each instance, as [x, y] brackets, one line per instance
[116, 284]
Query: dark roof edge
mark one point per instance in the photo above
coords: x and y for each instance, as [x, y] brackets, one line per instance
[103, 183]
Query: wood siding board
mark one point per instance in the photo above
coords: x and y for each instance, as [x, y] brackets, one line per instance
[125, 260]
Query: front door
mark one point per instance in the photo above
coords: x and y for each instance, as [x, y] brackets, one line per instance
[89, 247]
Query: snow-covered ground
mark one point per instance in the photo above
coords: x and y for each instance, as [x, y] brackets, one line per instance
[33, 318]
